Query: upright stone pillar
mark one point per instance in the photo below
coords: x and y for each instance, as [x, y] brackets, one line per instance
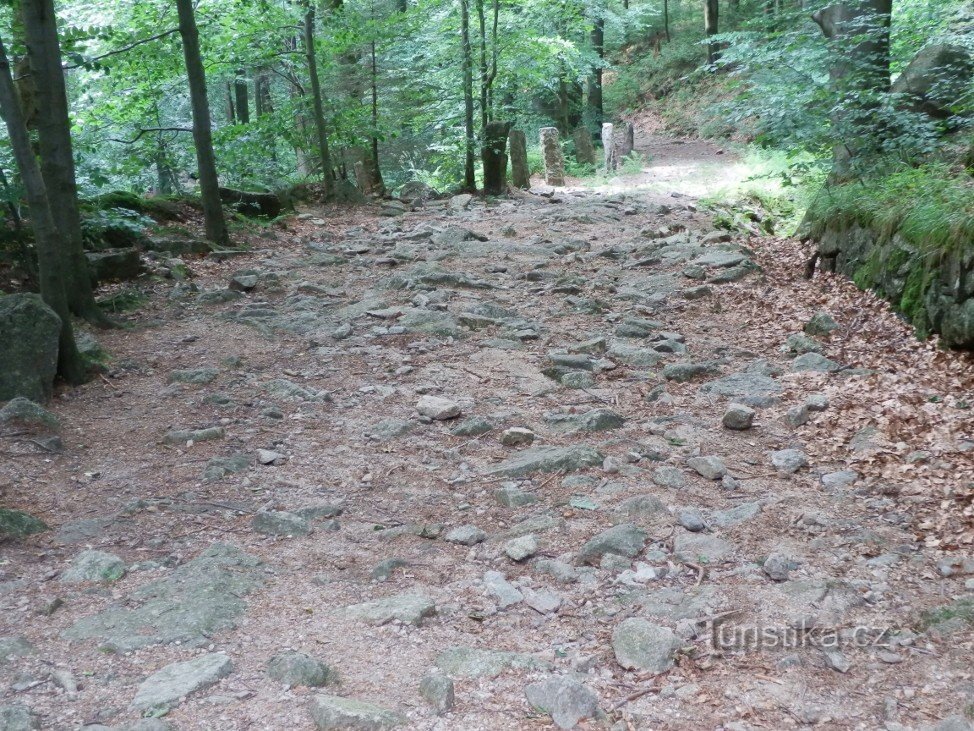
[520, 172]
[495, 157]
[584, 149]
[626, 142]
[554, 162]
[609, 147]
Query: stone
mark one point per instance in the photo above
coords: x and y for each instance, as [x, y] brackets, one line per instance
[691, 519]
[194, 376]
[710, 468]
[738, 417]
[244, 282]
[550, 459]
[817, 402]
[777, 566]
[626, 539]
[11, 647]
[270, 457]
[520, 171]
[472, 427]
[797, 416]
[842, 478]
[18, 718]
[503, 591]
[385, 568]
[18, 524]
[220, 467]
[437, 408]
[683, 372]
[280, 523]
[836, 659]
[591, 421]
[815, 363]
[466, 535]
[788, 461]
[94, 566]
[511, 496]
[297, 668]
[522, 547]
[473, 662]
[194, 602]
[701, 548]
[406, 608]
[753, 389]
[517, 436]
[554, 162]
[24, 413]
[566, 700]
[801, 344]
[164, 690]
[642, 509]
[543, 602]
[935, 78]
[416, 190]
[642, 645]
[437, 690]
[948, 566]
[671, 477]
[334, 712]
[577, 379]
[821, 324]
[183, 436]
[29, 333]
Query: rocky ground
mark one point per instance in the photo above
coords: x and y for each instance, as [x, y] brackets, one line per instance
[571, 457]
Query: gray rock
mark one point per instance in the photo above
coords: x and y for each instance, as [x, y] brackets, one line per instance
[836, 659]
[951, 723]
[738, 417]
[284, 389]
[280, 523]
[777, 567]
[626, 540]
[11, 647]
[517, 436]
[198, 599]
[641, 645]
[390, 429]
[671, 477]
[437, 690]
[817, 402]
[406, 608]
[566, 700]
[591, 421]
[511, 496]
[577, 379]
[18, 524]
[797, 416]
[24, 413]
[504, 592]
[753, 389]
[683, 372]
[437, 408]
[842, 478]
[220, 467]
[335, 712]
[543, 602]
[297, 668]
[466, 535]
[521, 548]
[550, 459]
[800, 344]
[788, 461]
[163, 690]
[182, 436]
[94, 566]
[472, 427]
[18, 718]
[821, 324]
[736, 515]
[815, 362]
[471, 662]
[29, 332]
[385, 568]
[691, 519]
[701, 548]
[642, 509]
[194, 376]
[711, 468]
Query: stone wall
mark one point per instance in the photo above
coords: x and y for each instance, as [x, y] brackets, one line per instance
[934, 291]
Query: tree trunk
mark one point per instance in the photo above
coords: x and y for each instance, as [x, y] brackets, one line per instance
[484, 75]
[262, 93]
[378, 184]
[317, 100]
[666, 19]
[495, 157]
[56, 153]
[47, 238]
[520, 172]
[241, 95]
[710, 12]
[215, 224]
[231, 108]
[595, 82]
[469, 181]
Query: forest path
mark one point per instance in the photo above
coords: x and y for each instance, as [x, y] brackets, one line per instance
[476, 453]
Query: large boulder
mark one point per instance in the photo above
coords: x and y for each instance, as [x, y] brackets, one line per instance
[937, 77]
[29, 332]
[114, 265]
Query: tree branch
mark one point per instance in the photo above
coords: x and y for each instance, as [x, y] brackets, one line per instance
[129, 47]
[146, 131]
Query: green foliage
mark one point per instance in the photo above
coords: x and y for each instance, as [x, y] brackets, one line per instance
[128, 299]
[107, 227]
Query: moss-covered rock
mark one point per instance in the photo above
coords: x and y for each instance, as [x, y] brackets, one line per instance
[18, 524]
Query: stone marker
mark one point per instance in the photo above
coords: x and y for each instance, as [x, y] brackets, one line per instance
[554, 162]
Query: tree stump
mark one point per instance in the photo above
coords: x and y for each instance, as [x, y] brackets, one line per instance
[609, 146]
[494, 155]
[520, 173]
[554, 162]
[584, 149]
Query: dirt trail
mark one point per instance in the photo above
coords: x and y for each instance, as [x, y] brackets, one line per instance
[586, 571]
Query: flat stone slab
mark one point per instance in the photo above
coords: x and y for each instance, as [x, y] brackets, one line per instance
[406, 608]
[472, 662]
[196, 600]
[335, 712]
[163, 690]
[549, 459]
[750, 389]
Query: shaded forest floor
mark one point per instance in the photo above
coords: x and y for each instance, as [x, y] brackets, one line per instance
[316, 487]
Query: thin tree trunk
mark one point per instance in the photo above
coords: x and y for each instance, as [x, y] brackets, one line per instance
[231, 107]
[666, 19]
[378, 183]
[595, 82]
[240, 92]
[317, 101]
[484, 75]
[56, 153]
[710, 12]
[469, 179]
[214, 222]
[47, 237]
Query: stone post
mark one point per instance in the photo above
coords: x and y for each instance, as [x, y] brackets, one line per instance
[520, 173]
[554, 163]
